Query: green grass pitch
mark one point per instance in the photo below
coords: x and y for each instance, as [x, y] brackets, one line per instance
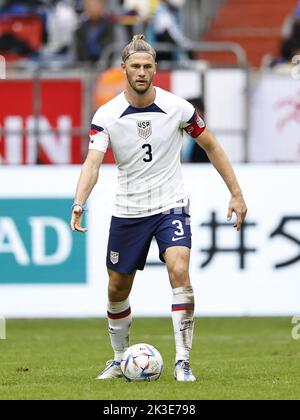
[233, 358]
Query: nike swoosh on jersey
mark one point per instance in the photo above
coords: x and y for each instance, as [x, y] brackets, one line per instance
[178, 239]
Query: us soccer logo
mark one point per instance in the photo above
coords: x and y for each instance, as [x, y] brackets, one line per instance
[144, 129]
[114, 257]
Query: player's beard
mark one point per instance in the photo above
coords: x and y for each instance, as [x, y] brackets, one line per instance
[141, 90]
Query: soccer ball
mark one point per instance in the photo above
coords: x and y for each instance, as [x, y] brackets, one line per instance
[142, 362]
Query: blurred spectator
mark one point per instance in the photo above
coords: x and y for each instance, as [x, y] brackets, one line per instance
[78, 4]
[191, 152]
[290, 45]
[127, 19]
[289, 49]
[95, 33]
[22, 28]
[11, 44]
[143, 8]
[61, 25]
[166, 28]
[288, 25]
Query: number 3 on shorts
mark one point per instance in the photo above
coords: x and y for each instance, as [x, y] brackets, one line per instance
[180, 231]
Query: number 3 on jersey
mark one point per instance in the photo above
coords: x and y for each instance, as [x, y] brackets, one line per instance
[148, 153]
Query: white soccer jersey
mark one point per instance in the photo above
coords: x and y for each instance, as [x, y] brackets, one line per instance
[146, 143]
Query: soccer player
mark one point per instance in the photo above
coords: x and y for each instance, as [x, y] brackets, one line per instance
[145, 125]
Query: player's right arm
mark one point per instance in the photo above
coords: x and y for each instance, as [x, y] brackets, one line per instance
[87, 180]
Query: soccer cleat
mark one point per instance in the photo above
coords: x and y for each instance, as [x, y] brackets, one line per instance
[183, 372]
[112, 371]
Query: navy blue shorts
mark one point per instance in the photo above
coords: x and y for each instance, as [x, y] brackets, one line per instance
[130, 238]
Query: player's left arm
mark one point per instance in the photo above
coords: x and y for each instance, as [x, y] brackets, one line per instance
[221, 162]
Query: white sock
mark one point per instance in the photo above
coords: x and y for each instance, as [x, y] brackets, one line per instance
[183, 321]
[119, 321]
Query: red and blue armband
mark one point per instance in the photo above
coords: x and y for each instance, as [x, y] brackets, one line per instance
[196, 126]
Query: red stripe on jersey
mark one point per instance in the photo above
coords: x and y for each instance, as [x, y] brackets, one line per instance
[95, 129]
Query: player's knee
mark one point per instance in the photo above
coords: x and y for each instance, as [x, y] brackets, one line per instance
[117, 294]
[118, 287]
[179, 274]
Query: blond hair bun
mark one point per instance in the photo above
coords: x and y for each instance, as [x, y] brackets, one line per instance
[138, 45]
[139, 37]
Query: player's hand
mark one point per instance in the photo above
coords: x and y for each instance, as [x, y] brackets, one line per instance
[76, 220]
[238, 206]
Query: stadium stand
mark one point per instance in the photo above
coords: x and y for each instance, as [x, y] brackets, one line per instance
[239, 21]
[255, 25]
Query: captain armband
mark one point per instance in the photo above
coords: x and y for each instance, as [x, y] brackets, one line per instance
[196, 127]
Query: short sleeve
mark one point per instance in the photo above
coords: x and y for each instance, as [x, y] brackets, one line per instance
[187, 114]
[191, 121]
[99, 136]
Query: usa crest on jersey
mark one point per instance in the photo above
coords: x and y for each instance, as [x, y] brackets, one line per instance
[144, 129]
